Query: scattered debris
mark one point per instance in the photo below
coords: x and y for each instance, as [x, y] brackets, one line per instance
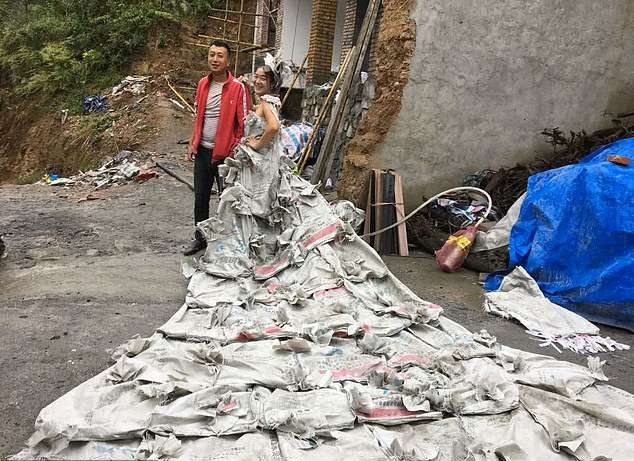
[135, 85]
[94, 195]
[619, 160]
[94, 104]
[117, 170]
[176, 103]
[189, 107]
[144, 175]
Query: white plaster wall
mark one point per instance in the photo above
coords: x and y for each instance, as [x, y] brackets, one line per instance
[487, 76]
[295, 29]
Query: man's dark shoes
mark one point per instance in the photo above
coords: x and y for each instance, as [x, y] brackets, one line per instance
[195, 246]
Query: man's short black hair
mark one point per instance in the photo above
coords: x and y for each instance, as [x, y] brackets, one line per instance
[222, 44]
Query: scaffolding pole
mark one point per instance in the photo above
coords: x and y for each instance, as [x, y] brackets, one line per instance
[241, 46]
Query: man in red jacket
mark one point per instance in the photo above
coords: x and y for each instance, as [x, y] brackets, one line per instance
[222, 104]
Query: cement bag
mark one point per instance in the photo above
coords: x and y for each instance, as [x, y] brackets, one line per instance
[205, 290]
[259, 363]
[402, 444]
[498, 235]
[306, 414]
[509, 436]
[95, 410]
[432, 336]
[358, 259]
[586, 430]
[260, 446]
[519, 297]
[110, 450]
[225, 324]
[389, 296]
[347, 212]
[409, 349]
[212, 412]
[116, 403]
[477, 386]
[188, 366]
[227, 247]
[420, 441]
[313, 275]
[340, 299]
[384, 406]
[358, 443]
[339, 363]
[546, 373]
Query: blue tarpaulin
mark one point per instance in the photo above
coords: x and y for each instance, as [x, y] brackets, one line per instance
[575, 236]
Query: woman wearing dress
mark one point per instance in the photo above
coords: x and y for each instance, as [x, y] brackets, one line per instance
[265, 83]
[256, 163]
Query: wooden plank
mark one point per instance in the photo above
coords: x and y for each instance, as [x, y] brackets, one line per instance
[369, 216]
[308, 148]
[326, 157]
[389, 213]
[403, 248]
[378, 209]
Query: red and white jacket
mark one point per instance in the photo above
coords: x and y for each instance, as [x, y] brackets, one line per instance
[234, 107]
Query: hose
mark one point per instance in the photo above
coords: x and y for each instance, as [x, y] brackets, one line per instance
[436, 197]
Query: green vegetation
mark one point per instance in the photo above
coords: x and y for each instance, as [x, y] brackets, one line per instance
[67, 47]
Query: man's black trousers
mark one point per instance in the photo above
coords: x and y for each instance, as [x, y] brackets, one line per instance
[205, 171]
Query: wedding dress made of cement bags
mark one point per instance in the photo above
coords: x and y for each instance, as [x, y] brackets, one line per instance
[295, 342]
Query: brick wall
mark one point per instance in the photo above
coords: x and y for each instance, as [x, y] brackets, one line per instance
[322, 35]
[372, 64]
[355, 14]
[261, 24]
[279, 20]
[347, 40]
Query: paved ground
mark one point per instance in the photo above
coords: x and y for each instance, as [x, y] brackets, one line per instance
[81, 278]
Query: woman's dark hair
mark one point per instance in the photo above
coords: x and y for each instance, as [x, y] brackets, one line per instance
[271, 76]
[221, 44]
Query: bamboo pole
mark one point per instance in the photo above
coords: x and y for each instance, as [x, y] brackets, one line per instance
[220, 10]
[324, 110]
[235, 66]
[179, 96]
[224, 26]
[299, 71]
[231, 21]
[228, 40]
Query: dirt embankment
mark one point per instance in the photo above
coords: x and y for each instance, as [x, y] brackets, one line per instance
[395, 47]
[35, 140]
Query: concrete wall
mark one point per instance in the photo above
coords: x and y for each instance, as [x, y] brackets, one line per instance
[487, 76]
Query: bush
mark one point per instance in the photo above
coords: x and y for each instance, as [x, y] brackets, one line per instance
[59, 46]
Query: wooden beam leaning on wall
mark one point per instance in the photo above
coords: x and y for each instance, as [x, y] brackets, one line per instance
[326, 155]
[308, 148]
